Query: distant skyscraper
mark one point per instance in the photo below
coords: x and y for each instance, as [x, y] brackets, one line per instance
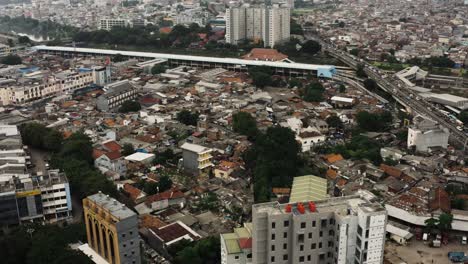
[112, 229]
[270, 24]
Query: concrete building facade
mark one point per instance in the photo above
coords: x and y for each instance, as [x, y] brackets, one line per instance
[112, 229]
[342, 230]
[425, 133]
[116, 94]
[109, 23]
[196, 158]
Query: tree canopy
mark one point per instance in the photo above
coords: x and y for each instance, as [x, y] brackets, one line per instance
[313, 92]
[311, 47]
[274, 161]
[39, 136]
[375, 122]
[245, 124]
[11, 59]
[130, 106]
[188, 118]
[204, 251]
[261, 76]
[334, 121]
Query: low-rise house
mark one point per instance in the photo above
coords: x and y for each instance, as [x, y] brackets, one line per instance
[224, 169]
[136, 195]
[165, 199]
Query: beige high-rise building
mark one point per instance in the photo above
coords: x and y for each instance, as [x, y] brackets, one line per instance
[112, 229]
[270, 24]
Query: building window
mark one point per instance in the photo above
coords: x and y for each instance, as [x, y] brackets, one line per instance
[303, 225]
[301, 259]
[272, 247]
[321, 233]
[249, 255]
[285, 257]
[272, 259]
[323, 223]
[301, 248]
[308, 258]
[272, 236]
[310, 235]
[313, 246]
[320, 244]
[273, 225]
[286, 223]
[313, 223]
[285, 246]
[300, 238]
[285, 235]
[236, 257]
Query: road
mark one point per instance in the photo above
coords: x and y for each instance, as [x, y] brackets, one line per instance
[399, 91]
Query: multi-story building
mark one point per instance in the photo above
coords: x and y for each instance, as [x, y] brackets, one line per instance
[277, 25]
[34, 88]
[196, 158]
[425, 134]
[116, 94]
[270, 24]
[4, 50]
[236, 247]
[38, 198]
[109, 23]
[102, 75]
[349, 229]
[111, 229]
[195, 15]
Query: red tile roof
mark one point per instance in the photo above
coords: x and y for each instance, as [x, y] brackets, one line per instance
[391, 171]
[265, 55]
[98, 153]
[133, 192]
[170, 194]
[113, 155]
[112, 146]
[172, 232]
[332, 158]
[441, 201]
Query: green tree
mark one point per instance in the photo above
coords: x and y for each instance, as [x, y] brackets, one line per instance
[354, 52]
[295, 28]
[294, 82]
[11, 59]
[130, 106]
[374, 122]
[261, 76]
[463, 116]
[342, 88]
[311, 47]
[245, 124]
[431, 223]
[370, 84]
[164, 183]
[11, 43]
[128, 149]
[360, 71]
[158, 69]
[445, 222]
[119, 58]
[334, 121]
[204, 251]
[187, 118]
[164, 157]
[314, 92]
[24, 40]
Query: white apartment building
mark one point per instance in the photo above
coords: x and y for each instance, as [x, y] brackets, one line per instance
[425, 133]
[270, 24]
[343, 230]
[195, 15]
[109, 23]
[28, 90]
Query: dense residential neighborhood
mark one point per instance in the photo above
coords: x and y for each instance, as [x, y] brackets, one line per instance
[233, 132]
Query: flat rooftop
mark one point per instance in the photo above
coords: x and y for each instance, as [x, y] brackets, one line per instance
[152, 55]
[116, 208]
[338, 205]
[308, 188]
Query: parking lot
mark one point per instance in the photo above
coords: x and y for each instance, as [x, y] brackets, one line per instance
[416, 252]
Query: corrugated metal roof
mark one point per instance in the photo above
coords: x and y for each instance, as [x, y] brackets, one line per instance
[308, 188]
